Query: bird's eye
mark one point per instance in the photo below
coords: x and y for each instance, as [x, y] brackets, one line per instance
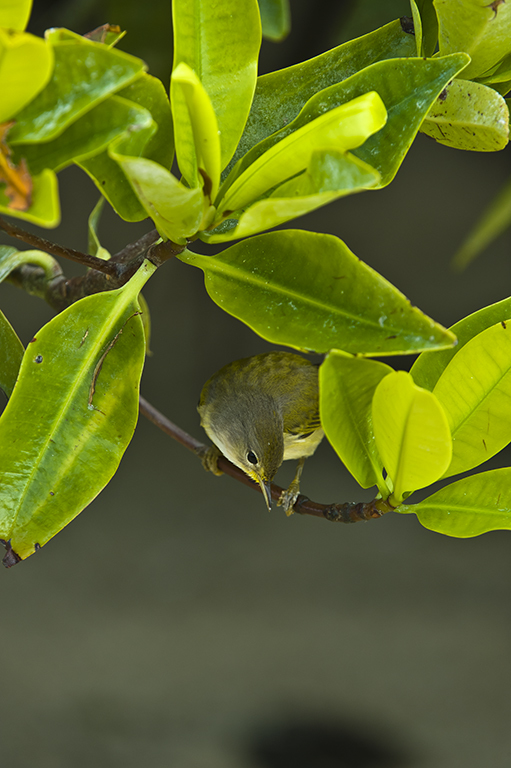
[251, 457]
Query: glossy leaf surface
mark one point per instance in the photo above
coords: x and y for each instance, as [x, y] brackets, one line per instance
[342, 128]
[26, 64]
[429, 24]
[11, 258]
[412, 434]
[330, 175]
[280, 95]
[309, 291]
[175, 209]
[11, 353]
[94, 246]
[220, 42]
[197, 134]
[45, 208]
[475, 391]
[87, 136]
[428, 367]
[469, 116]
[494, 220]
[71, 415]
[14, 14]
[346, 389]
[483, 30]
[469, 507]
[84, 74]
[407, 87]
[275, 19]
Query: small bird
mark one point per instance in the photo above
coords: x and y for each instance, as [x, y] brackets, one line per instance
[259, 412]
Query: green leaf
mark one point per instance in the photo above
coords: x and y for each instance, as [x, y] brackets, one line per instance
[469, 507]
[429, 24]
[14, 14]
[147, 92]
[11, 352]
[71, 415]
[469, 116]
[26, 64]
[280, 95]
[346, 389]
[330, 175]
[95, 248]
[475, 391]
[417, 26]
[342, 128]
[88, 135]
[275, 19]
[309, 291]
[495, 219]
[45, 208]
[220, 42]
[11, 258]
[482, 30]
[407, 87]
[429, 366]
[84, 74]
[196, 127]
[412, 434]
[175, 209]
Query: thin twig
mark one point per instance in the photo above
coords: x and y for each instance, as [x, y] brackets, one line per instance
[347, 512]
[107, 267]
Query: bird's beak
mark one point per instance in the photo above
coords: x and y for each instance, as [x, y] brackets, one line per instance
[266, 490]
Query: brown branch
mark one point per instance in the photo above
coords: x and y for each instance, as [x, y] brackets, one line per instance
[92, 262]
[347, 512]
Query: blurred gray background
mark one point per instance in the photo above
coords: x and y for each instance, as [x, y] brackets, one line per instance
[176, 622]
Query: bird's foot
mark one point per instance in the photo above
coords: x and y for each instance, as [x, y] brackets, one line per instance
[288, 498]
[209, 457]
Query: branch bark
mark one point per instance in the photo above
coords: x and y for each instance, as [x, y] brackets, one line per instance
[347, 512]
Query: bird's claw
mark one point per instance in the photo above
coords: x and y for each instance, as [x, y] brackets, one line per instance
[209, 457]
[288, 499]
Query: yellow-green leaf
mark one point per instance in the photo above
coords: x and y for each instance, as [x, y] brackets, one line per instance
[14, 14]
[412, 434]
[26, 63]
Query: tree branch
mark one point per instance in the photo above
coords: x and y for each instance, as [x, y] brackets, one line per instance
[107, 267]
[347, 512]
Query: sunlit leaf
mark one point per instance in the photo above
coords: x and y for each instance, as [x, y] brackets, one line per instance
[330, 175]
[11, 353]
[483, 30]
[26, 64]
[14, 14]
[197, 134]
[16, 180]
[175, 209]
[428, 367]
[346, 389]
[220, 42]
[309, 291]
[475, 392]
[469, 116]
[412, 434]
[84, 74]
[469, 507]
[342, 128]
[71, 415]
[45, 207]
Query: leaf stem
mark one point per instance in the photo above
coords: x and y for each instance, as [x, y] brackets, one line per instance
[347, 512]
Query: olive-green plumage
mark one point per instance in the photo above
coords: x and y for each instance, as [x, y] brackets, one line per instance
[262, 410]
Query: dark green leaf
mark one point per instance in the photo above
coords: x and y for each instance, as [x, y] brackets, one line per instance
[280, 95]
[309, 291]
